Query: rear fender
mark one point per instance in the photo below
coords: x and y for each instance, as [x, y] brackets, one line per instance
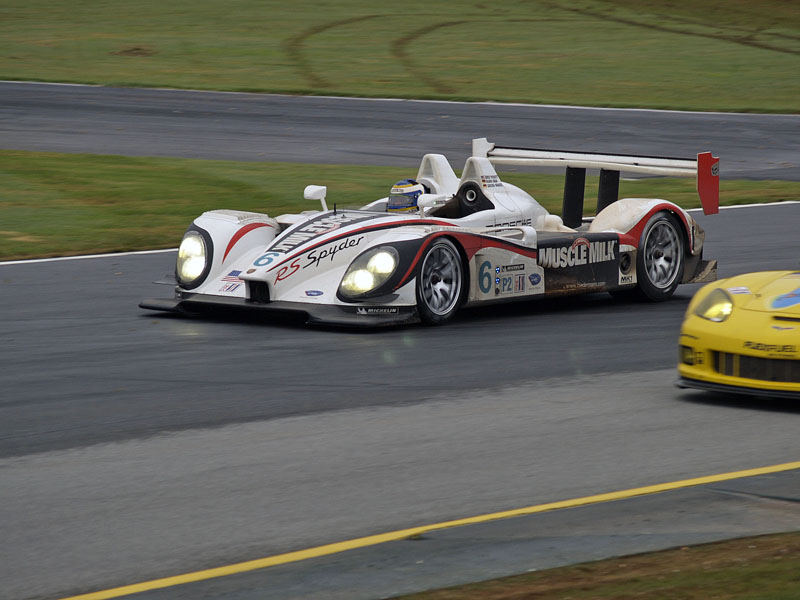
[629, 216]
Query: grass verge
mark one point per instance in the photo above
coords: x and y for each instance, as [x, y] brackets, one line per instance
[62, 204]
[757, 568]
[741, 55]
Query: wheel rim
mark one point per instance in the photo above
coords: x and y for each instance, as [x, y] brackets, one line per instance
[441, 279]
[662, 254]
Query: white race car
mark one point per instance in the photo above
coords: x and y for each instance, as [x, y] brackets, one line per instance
[472, 240]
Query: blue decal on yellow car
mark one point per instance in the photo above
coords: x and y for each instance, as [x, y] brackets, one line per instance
[787, 300]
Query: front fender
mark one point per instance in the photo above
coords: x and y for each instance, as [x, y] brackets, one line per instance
[232, 234]
[314, 275]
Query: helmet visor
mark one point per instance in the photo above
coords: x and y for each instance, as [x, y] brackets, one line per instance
[402, 202]
[403, 196]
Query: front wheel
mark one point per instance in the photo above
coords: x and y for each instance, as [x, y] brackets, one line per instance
[440, 283]
[660, 259]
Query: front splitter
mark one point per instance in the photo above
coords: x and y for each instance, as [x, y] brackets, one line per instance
[317, 314]
[685, 382]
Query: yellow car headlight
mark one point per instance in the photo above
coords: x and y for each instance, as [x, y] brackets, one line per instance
[192, 258]
[369, 271]
[717, 306]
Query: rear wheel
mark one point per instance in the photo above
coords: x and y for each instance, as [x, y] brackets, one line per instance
[660, 259]
[440, 283]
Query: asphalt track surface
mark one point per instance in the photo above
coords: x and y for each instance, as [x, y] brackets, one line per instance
[137, 445]
[262, 127]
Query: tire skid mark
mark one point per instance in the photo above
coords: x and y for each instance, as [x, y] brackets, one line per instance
[743, 40]
[758, 497]
[399, 52]
[295, 45]
[399, 48]
[752, 32]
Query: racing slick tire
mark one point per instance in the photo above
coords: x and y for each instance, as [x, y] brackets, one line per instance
[660, 259]
[440, 283]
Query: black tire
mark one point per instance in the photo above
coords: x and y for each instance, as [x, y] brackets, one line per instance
[661, 257]
[440, 283]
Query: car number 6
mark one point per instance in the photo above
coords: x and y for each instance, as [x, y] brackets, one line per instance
[266, 259]
[485, 277]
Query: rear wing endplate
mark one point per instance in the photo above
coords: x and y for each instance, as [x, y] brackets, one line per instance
[705, 169]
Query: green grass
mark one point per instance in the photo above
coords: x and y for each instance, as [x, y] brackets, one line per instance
[760, 568]
[62, 204]
[739, 55]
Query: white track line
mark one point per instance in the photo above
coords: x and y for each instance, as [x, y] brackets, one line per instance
[115, 254]
[82, 256]
[355, 98]
[749, 205]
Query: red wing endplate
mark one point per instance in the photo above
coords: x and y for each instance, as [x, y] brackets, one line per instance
[708, 182]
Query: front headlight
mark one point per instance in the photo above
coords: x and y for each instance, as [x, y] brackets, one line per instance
[192, 256]
[368, 271]
[717, 306]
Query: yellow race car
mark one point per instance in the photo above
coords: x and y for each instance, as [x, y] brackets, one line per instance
[742, 335]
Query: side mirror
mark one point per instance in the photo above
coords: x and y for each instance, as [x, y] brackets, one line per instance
[425, 202]
[316, 192]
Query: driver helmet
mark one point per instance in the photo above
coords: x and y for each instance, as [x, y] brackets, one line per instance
[403, 196]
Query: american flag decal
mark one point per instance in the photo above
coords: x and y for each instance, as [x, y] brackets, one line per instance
[233, 276]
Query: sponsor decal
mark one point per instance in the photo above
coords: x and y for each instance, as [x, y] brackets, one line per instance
[787, 300]
[316, 227]
[585, 285]
[313, 293]
[230, 287]
[625, 278]
[581, 252]
[370, 310]
[739, 290]
[508, 268]
[535, 278]
[510, 284]
[232, 276]
[516, 223]
[715, 169]
[759, 347]
[491, 181]
[315, 256]
[288, 270]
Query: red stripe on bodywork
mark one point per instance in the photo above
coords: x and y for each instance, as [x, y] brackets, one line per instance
[471, 243]
[366, 228]
[636, 231]
[240, 234]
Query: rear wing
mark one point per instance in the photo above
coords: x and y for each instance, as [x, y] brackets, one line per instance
[705, 168]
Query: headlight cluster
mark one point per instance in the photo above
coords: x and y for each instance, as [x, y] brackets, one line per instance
[717, 306]
[192, 258]
[369, 271]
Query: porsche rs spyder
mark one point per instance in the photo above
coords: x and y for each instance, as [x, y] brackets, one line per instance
[473, 239]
